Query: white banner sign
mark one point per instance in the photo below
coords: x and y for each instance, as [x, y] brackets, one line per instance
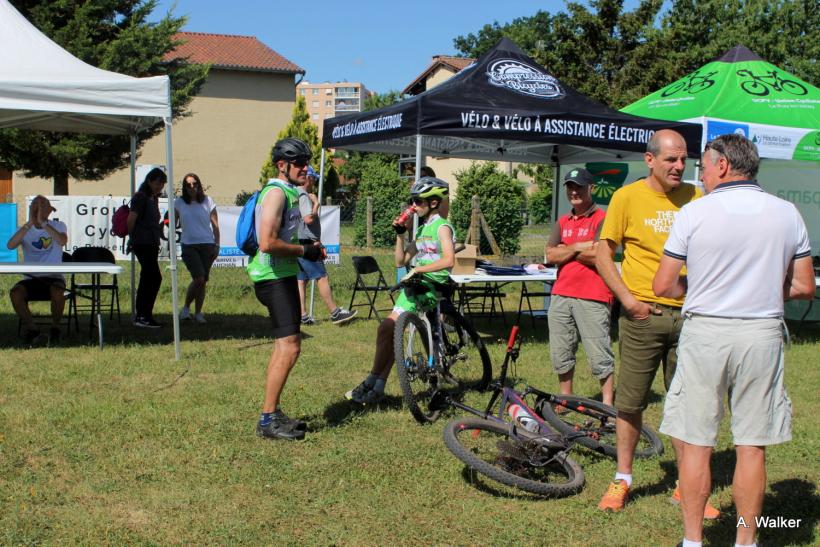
[88, 221]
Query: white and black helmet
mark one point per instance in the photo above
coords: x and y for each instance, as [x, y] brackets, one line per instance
[429, 187]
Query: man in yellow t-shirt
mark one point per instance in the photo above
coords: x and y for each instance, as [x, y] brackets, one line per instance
[638, 219]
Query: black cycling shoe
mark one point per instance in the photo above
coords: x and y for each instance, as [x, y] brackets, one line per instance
[280, 429]
[284, 418]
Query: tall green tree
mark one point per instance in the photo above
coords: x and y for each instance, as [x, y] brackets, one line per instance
[300, 127]
[617, 56]
[113, 35]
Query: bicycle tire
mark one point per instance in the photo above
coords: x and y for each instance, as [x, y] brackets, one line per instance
[673, 88]
[555, 474]
[412, 355]
[702, 85]
[753, 87]
[465, 349]
[595, 427]
[792, 87]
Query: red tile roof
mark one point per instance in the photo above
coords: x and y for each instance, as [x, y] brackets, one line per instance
[456, 64]
[231, 52]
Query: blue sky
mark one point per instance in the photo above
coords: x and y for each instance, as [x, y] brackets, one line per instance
[384, 45]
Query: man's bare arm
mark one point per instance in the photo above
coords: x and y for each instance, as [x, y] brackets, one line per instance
[799, 284]
[605, 264]
[668, 282]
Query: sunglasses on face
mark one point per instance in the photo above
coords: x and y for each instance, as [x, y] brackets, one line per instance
[418, 201]
[300, 164]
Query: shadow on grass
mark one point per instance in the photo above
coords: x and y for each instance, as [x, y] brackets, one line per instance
[342, 412]
[791, 499]
[487, 486]
[123, 333]
[723, 466]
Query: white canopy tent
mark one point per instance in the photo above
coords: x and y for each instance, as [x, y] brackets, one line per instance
[44, 87]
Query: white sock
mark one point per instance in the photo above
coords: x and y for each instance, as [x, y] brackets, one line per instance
[625, 477]
[378, 387]
[690, 543]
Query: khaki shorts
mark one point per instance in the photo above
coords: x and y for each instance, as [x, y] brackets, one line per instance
[741, 358]
[645, 345]
[574, 318]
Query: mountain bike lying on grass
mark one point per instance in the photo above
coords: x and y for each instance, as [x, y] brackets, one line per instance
[531, 455]
[438, 353]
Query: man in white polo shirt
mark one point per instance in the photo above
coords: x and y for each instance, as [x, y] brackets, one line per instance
[745, 252]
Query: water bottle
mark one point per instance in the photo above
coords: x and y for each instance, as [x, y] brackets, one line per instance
[523, 417]
[398, 224]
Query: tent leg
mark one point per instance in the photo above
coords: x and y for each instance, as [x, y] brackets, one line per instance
[133, 257]
[556, 186]
[319, 197]
[172, 239]
[418, 175]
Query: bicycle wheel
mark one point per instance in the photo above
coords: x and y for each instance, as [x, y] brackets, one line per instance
[417, 377]
[795, 88]
[592, 424]
[468, 363]
[520, 461]
[673, 88]
[754, 87]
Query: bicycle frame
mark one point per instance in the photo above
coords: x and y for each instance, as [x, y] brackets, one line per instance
[509, 396]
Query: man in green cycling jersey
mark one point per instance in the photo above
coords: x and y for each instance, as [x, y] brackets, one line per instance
[431, 256]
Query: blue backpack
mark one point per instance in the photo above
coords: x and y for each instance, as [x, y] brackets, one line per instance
[246, 225]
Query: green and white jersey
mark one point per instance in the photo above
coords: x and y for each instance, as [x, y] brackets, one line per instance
[428, 247]
[263, 266]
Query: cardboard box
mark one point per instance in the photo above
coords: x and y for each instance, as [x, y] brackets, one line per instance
[465, 261]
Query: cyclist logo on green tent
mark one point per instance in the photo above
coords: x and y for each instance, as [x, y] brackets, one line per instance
[771, 81]
[608, 178]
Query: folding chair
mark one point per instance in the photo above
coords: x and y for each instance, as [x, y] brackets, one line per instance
[46, 321]
[368, 272]
[476, 300]
[92, 291]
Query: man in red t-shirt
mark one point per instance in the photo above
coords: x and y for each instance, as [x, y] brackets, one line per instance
[581, 302]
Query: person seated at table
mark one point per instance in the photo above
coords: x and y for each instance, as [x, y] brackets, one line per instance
[42, 240]
[432, 258]
[581, 303]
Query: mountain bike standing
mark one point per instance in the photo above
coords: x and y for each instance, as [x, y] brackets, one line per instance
[432, 255]
[273, 272]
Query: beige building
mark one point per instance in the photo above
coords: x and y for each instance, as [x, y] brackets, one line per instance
[247, 99]
[441, 69]
[331, 99]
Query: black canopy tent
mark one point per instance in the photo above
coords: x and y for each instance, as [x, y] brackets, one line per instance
[504, 107]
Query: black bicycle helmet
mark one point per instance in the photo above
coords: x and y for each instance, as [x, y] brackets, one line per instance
[428, 187]
[291, 149]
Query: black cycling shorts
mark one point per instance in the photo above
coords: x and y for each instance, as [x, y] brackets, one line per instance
[281, 297]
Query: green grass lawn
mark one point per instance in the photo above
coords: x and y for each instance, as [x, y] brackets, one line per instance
[128, 446]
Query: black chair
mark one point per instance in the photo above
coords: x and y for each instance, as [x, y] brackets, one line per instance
[370, 281]
[46, 321]
[87, 290]
[486, 299]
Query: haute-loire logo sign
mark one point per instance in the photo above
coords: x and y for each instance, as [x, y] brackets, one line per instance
[524, 79]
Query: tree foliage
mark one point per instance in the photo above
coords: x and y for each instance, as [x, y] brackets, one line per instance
[539, 203]
[113, 35]
[500, 199]
[617, 56]
[300, 127]
[380, 181]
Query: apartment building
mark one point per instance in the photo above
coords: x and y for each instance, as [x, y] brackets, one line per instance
[330, 99]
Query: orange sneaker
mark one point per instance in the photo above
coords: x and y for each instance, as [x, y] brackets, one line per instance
[615, 497]
[709, 512]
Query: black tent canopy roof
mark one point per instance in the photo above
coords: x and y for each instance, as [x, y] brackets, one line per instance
[504, 107]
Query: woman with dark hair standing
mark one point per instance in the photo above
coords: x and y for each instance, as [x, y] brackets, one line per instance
[200, 241]
[144, 230]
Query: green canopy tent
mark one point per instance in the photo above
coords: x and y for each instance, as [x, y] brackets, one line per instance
[742, 93]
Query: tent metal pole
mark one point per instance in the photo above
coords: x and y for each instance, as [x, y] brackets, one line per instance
[133, 257]
[319, 197]
[172, 235]
[556, 186]
[418, 176]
